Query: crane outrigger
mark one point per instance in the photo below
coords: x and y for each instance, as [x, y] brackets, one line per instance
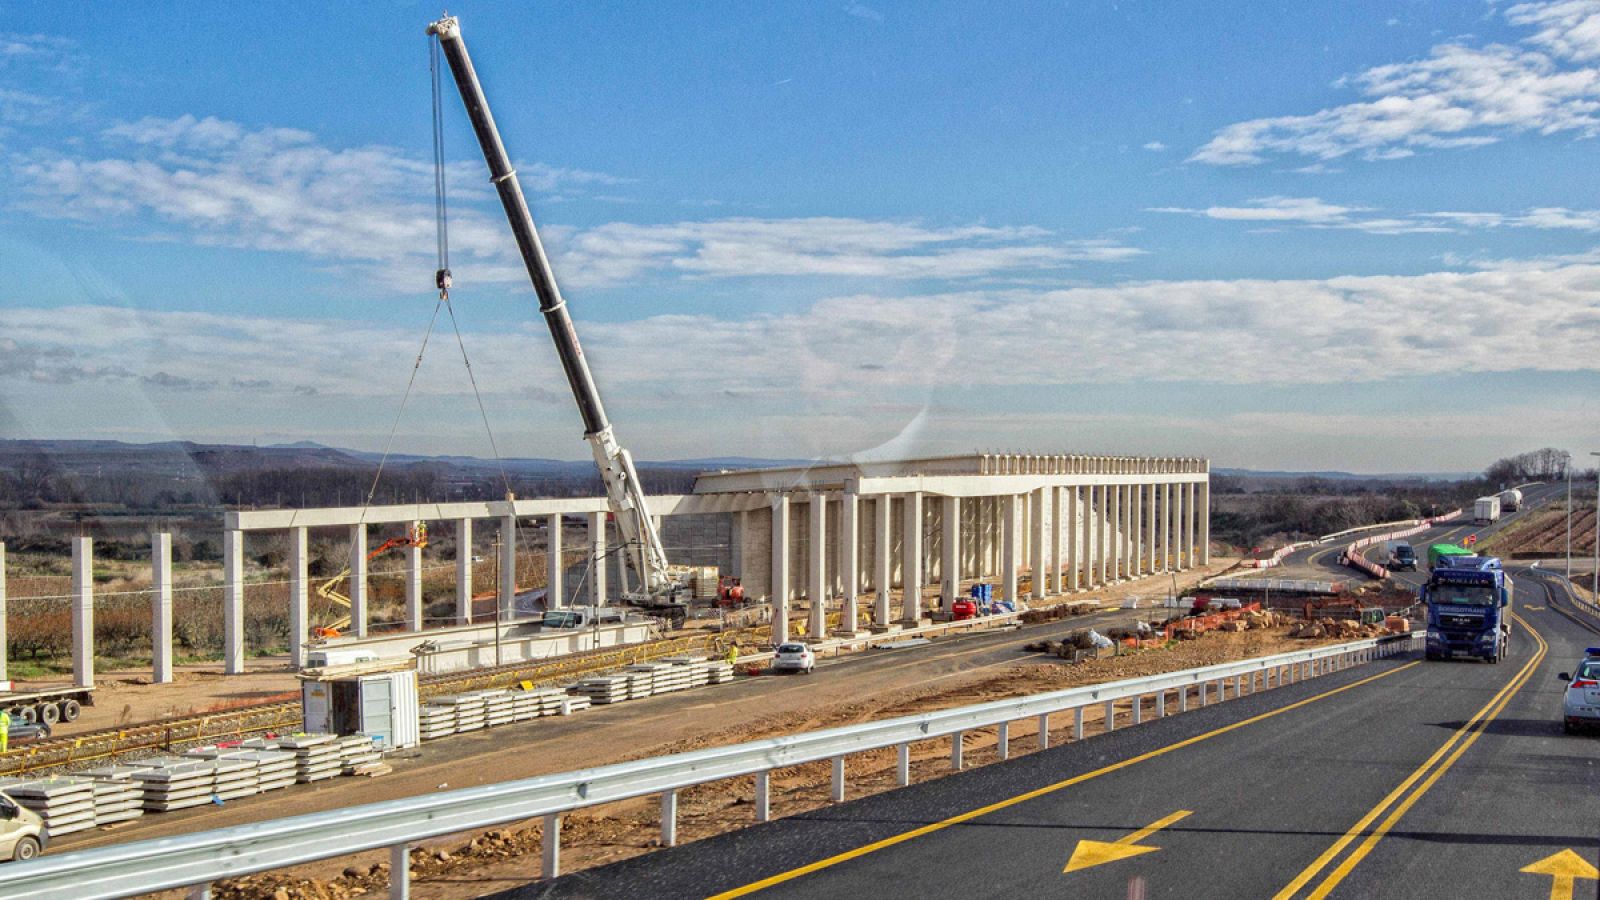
[645, 553]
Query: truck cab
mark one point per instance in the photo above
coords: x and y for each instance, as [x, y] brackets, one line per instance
[22, 832]
[1468, 601]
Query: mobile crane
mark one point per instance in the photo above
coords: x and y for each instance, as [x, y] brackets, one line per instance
[658, 591]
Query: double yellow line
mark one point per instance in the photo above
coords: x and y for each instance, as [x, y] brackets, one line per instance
[1409, 791]
[968, 816]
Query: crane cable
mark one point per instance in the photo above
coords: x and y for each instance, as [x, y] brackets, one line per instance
[442, 282]
[442, 276]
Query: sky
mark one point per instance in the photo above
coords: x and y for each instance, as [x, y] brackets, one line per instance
[1357, 236]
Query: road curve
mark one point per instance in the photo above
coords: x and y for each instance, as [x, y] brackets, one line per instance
[1398, 778]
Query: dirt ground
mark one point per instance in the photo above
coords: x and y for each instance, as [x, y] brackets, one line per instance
[471, 865]
[129, 697]
[1544, 533]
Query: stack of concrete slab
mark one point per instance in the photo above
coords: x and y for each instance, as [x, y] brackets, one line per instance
[436, 720]
[665, 678]
[275, 769]
[469, 710]
[640, 684]
[235, 777]
[720, 672]
[601, 689]
[173, 782]
[117, 800]
[316, 756]
[497, 708]
[65, 803]
[356, 750]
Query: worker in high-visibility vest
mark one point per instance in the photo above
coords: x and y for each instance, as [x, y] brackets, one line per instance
[733, 654]
[5, 731]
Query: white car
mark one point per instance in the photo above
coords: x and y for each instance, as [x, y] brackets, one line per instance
[1580, 708]
[22, 832]
[793, 657]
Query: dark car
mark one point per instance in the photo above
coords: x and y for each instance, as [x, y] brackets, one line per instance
[22, 733]
[1402, 557]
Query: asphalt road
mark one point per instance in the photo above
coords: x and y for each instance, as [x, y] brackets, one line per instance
[1399, 778]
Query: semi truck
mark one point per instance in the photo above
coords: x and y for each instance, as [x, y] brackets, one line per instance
[1510, 500]
[1469, 608]
[1486, 510]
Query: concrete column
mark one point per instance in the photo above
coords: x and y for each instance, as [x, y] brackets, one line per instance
[1180, 511]
[1039, 560]
[1119, 535]
[1011, 551]
[556, 573]
[358, 580]
[849, 559]
[780, 569]
[740, 527]
[817, 589]
[1150, 525]
[950, 565]
[1166, 527]
[161, 609]
[299, 599]
[1058, 504]
[1188, 525]
[1074, 538]
[597, 555]
[233, 602]
[83, 610]
[883, 560]
[911, 560]
[1103, 533]
[1136, 503]
[5, 677]
[463, 571]
[506, 591]
[1205, 523]
[413, 588]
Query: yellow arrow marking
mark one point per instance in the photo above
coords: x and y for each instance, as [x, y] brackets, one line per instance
[1093, 853]
[1564, 869]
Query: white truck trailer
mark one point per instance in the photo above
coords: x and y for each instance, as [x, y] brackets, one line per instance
[1486, 510]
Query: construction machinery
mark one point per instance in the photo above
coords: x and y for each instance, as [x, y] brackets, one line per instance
[656, 591]
[416, 536]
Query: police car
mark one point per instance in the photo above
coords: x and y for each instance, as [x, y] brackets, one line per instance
[1580, 708]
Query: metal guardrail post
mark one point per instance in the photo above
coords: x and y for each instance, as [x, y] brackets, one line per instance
[1003, 740]
[955, 750]
[551, 867]
[1110, 723]
[1044, 729]
[763, 796]
[1161, 705]
[1138, 702]
[903, 765]
[838, 780]
[1077, 724]
[400, 872]
[200, 892]
[669, 818]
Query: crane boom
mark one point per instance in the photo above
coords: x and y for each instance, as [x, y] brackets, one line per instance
[646, 555]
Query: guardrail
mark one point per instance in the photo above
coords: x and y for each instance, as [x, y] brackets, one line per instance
[199, 859]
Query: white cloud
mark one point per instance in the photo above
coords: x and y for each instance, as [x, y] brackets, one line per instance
[38, 52]
[861, 11]
[1155, 146]
[1457, 96]
[213, 181]
[1312, 212]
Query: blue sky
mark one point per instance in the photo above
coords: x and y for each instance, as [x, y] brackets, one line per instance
[1267, 235]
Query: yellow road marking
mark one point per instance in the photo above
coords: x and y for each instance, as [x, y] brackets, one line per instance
[1479, 719]
[968, 816]
[1093, 853]
[1564, 869]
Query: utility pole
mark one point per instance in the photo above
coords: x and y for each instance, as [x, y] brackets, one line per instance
[1569, 520]
[1594, 585]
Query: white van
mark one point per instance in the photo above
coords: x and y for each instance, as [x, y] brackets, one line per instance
[22, 832]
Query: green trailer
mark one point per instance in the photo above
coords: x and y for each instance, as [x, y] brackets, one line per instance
[1437, 552]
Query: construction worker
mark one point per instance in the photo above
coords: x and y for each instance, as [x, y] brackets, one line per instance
[733, 654]
[5, 730]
